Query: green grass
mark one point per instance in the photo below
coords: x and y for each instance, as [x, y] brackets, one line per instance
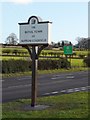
[73, 105]
[82, 52]
[44, 72]
[77, 62]
[12, 57]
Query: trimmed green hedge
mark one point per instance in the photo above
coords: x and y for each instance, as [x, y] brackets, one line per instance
[87, 60]
[53, 64]
[13, 66]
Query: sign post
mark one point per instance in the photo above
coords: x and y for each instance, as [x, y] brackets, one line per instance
[34, 78]
[35, 33]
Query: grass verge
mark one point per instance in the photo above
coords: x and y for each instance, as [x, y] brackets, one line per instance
[73, 105]
[45, 72]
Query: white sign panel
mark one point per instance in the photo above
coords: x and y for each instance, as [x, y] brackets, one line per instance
[35, 33]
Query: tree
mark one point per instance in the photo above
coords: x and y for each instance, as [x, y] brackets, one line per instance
[12, 39]
[83, 42]
[62, 43]
[70, 43]
[65, 42]
[58, 44]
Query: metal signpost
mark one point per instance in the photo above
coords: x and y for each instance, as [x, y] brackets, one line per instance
[35, 36]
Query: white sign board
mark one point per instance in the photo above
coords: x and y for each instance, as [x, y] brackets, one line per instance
[35, 33]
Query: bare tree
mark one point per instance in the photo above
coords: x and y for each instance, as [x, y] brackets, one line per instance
[12, 39]
[82, 42]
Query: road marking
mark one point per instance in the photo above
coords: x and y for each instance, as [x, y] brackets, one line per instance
[19, 86]
[63, 91]
[54, 92]
[53, 78]
[76, 89]
[69, 74]
[70, 77]
[46, 94]
[56, 78]
[70, 90]
[83, 88]
[24, 78]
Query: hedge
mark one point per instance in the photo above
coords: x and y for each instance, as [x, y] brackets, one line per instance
[53, 64]
[87, 60]
[13, 66]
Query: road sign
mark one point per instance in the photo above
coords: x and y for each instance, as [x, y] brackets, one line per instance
[35, 31]
[68, 50]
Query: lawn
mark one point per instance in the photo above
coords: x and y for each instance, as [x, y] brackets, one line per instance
[73, 105]
[77, 62]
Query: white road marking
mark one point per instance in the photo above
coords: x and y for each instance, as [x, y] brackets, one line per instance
[70, 90]
[53, 78]
[54, 92]
[19, 86]
[70, 77]
[24, 78]
[46, 94]
[56, 78]
[76, 89]
[63, 91]
[83, 88]
[69, 74]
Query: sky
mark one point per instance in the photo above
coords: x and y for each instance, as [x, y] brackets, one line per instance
[69, 19]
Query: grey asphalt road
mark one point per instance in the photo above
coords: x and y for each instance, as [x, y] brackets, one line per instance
[50, 84]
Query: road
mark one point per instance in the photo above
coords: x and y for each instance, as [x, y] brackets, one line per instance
[50, 84]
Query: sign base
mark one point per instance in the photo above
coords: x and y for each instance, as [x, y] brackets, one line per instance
[36, 107]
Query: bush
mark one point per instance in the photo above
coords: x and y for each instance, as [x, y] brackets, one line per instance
[6, 51]
[15, 51]
[87, 60]
[81, 55]
[12, 66]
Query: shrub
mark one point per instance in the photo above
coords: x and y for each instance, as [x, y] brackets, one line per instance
[81, 55]
[87, 60]
[15, 51]
[74, 54]
[12, 66]
[6, 51]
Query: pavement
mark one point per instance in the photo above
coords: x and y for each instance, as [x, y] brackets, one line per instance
[50, 84]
